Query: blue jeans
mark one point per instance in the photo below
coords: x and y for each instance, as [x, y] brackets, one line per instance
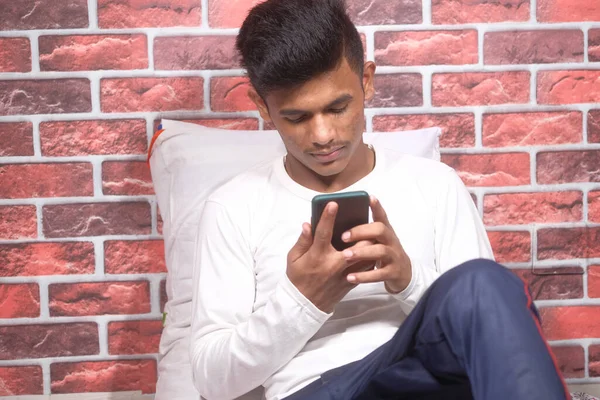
[475, 334]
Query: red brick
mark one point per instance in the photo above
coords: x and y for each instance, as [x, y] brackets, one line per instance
[48, 340]
[151, 94]
[553, 287]
[458, 130]
[80, 138]
[467, 11]
[45, 180]
[510, 246]
[594, 126]
[242, 124]
[594, 45]
[15, 54]
[19, 300]
[223, 14]
[89, 52]
[37, 259]
[18, 222]
[573, 322]
[134, 257]
[97, 219]
[148, 13]
[385, 12]
[230, 94]
[99, 298]
[594, 206]
[568, 87]
[134, 337]
[529, 208]
[568, 243]
[229, 14]
[163, 295]
[15, 381]
[32, 14]
[532, 129]
[533, 47]
[45, 96]
[397, 90]
[507, 169]
[594, 365]
[126, 178]
[426, 47]
[104, 376]
[594, 281]
[571, 360]
[16, 139]
[567, 10]
[480, 88]
[195, 52]
[568, 166]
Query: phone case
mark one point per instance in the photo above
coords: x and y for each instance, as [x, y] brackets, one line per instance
[353, 210]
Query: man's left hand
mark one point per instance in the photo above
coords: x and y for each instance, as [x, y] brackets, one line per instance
[393, 266]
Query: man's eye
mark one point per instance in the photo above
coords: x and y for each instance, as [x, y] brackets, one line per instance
[338, 110]
[296, 120]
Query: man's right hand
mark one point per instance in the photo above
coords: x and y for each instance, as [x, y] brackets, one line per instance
[316, 268]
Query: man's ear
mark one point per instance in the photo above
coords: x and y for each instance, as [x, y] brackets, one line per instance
[368, 80]
[260, 104]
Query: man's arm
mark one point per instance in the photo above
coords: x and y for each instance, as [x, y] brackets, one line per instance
[460, 236]
[233, 348]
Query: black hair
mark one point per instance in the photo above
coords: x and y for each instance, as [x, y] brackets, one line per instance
[285, 43]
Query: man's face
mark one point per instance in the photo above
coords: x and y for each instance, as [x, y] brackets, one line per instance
[321, 122]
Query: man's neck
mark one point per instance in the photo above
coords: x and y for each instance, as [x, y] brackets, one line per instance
[360, 165]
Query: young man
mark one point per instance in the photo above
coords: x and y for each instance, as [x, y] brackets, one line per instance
[308, 322]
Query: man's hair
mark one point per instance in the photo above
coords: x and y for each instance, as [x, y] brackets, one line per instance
[285, 43]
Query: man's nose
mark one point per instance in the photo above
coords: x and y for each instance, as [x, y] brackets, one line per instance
[323, 131]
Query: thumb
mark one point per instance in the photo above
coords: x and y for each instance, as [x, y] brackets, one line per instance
[302, 244]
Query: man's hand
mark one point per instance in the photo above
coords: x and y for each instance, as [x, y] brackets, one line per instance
[317, 269]
[393, 265]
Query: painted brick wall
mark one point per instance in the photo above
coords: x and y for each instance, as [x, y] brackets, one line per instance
[514, 83]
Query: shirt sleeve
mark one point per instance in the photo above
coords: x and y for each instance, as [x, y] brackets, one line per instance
[459, 236]
[234, 348]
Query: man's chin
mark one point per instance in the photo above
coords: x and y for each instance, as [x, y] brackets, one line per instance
[329, 169]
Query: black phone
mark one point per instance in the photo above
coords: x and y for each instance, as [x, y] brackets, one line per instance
[353, 210]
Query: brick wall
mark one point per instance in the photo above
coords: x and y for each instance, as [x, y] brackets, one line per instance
[514, 83]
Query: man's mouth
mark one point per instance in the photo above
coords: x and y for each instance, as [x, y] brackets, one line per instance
[328, 156]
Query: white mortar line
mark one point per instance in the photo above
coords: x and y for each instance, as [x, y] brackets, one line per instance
[93, 14]
[155, 294]
[426, 81]
[99, 256]
[35, 53]
[44, 299]
[586, 53]
[103, 338]
[40, 222]
[426, 6]
[150, 38]
[45, 363]
[204, 17]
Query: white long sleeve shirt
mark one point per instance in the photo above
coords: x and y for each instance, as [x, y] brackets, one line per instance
[252, 327]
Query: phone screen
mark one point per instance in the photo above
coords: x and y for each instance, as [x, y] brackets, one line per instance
[353, 210]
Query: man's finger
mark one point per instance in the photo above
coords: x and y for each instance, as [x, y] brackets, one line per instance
[374, 252]
[374, 232]
[324, 230]
[376, 275]
[379, 214]
[302, 244]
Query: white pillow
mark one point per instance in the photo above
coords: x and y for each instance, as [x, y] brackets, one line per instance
[188, 162]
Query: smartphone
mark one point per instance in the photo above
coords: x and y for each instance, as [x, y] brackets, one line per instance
[353, 210]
